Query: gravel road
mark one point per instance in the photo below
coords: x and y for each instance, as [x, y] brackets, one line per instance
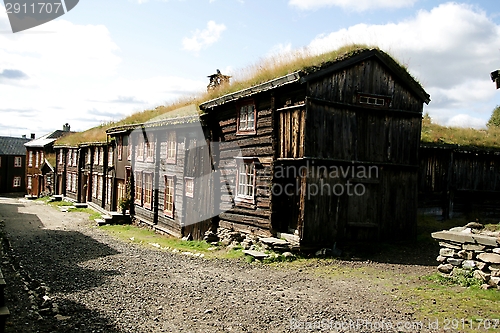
[64, 275]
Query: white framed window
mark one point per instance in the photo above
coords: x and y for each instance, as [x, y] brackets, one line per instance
[75, 154]
[245, 189]
[138, 188]
[119, 148]
[172, 147]
[94, 186]
[100, 187]
[189, 186]
[61, 156]
[18, 162]
[41, 158]
[150, 148]
[17, 182]
[37, 156]
[110, 156]
[168, 202]
[129, 148]
[30, 158]
[148, 190]
[29, 183]
[246, 120]
[139, 152]
[108, 190]
[101, 156]
[96, 155]
[73, 182]
[69, 156]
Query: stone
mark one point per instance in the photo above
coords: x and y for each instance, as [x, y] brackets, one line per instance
[450, 245]
[453, 236]
[496, 250]
[441, 259]
[288, 255]
[474, 225]
[445, 268]
[485, 240]
[455, 261]
[486, 286]
[61, 317]
[492, 258]
[473, 247]
[495, 267]
[465, 254]
[255, 254]
[469, 264]
[273, 241]
[480, 275]
[495, 273]
[481, 265]
[446, 252]
[494, 281]
[458, 229]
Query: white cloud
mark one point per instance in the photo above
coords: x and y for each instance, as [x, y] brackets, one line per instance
[69, 70]
[204, 38]
[450, 49]
[359, 5]
[465, 120]
[279, 49]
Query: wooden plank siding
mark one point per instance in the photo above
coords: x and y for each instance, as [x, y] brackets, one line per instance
[459, 180]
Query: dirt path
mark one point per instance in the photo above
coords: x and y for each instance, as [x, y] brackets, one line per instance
[95, 283]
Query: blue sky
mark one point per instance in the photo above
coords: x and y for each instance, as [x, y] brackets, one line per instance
[106, 59]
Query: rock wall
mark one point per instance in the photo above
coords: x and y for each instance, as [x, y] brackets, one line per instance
[470, 248]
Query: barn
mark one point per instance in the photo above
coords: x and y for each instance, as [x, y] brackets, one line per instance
[328, 152]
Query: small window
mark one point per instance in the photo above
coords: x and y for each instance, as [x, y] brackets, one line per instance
[61, 157]
[110, 156]
[246, 119]
[119, 148]
[138, 188]
[94, 186]
[17, 182]
[29, 183]
[69, 156]
[108, 190]
[100, 187]
[75, 154]
[37, 156]
[18, 162]
[101, 156]
[129, 148]
[139, 152]
[168, 205]
[30, 158]
[189, 187]
[245, 190]
[96, 156]
[41, 158]
[171, 148]
[148, 189]
[378, 101]
[150, 148]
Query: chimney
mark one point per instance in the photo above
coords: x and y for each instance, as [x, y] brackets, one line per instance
[495, 77]
[217, 80]
[24, 136]
[32, 136]
[66, 127]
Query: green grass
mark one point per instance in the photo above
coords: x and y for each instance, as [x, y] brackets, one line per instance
[60, 203]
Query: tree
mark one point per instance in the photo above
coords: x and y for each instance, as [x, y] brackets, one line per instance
[495, 118]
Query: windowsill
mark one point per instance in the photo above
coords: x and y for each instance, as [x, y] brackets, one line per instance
[247, 202]
[169, 215]
[171, 161]
[254, 132]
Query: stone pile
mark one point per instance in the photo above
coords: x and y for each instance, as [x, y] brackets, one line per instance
[470, 248]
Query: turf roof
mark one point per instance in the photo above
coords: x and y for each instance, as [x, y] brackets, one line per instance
[261, 72]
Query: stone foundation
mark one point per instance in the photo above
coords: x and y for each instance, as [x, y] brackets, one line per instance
[470, 248]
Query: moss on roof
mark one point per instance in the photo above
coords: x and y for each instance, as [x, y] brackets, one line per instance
[264, 70]
[468, 137]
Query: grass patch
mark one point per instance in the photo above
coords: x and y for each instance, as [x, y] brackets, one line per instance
[148, 237]
[60, 203]
[441, 298]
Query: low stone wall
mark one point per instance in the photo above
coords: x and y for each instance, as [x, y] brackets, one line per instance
[470, 248]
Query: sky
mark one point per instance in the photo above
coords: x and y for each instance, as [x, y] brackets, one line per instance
[104, 60]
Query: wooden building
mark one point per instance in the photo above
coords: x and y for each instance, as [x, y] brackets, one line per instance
[167, 164]
[456, 180]
[12, 164]
[315, 130]
[39, 180]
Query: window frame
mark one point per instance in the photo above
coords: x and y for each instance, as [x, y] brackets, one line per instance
[172, 147]
[139, 151]
[149, 147]
[119, 148]
[189, 189]
[129, 148]
[75, 157]
[246, 130]
[365, 100]
[16, 182]
[138, 187]
[147, 190]
[30, 158]
[246, 162]
[29, 182]
[169, 194]
[18, 162]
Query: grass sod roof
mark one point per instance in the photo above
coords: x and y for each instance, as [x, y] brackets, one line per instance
[263, 71]
[467, 137]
